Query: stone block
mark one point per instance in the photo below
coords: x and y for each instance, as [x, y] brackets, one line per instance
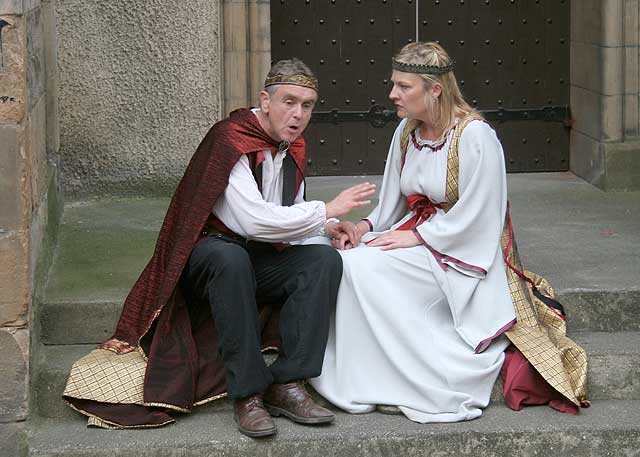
[612, 64]
[36, 152]
[622, 166]
[585, 66]
[235, 76]
[597, 68]
[612, 22]
[586, 21]
[260, 26]
[10, 7]
[631, 113]
[585, 157]
[30, 5]
[15, 284]
[596, 115]
[12, 210]
[631, 22]
[51, 69]
[235, 26]
[12, 64]
[35, 70]
[233, 103]
[586, 111]
[631, 73]
[13, 389]
[612, 108]
[611, 166]
[260, 64]
[13, 440]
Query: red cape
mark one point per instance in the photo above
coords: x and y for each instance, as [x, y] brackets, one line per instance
[184, 367]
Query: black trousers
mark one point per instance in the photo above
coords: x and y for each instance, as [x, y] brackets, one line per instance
[231, 276]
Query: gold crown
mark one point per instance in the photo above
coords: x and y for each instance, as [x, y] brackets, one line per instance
[422, 69]
[292, 80]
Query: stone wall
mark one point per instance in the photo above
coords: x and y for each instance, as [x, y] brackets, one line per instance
[140, 84]
[605, 91]
[27, 183]
[247, 51]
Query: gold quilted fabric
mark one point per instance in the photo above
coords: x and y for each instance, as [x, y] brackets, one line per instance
[107, 377]
[539, 332]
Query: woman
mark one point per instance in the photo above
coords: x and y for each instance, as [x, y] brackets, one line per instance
[424, 303]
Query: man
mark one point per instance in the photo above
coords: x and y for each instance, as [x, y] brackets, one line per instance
[232, 235]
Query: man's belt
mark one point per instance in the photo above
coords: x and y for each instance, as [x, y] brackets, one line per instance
[212, 231]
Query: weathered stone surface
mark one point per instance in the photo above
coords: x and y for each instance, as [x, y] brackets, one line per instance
[612, 22]
[11, 178]
[235, 75]
[613, 358]
[583, 57]
[12, 80]
[139, 87]
[52, 85]
[606, 429]
[13, 440]
[14, 279]
[623, 165]
[603, 310]
[13, 388]
[610, 166]
[30, 5]
[35, 70]
[260, 43]
[632, 115]
[604, 90]
[10, 7]
[631, 18]
[612, 107]
[36, 150]
[586, 112]
[586, 21]
[585, 157]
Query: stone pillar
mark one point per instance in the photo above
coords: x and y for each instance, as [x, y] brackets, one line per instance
[605, 139]
[24, 183]
[247, 51]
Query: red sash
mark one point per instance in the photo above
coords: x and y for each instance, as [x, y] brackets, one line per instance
[423, 209]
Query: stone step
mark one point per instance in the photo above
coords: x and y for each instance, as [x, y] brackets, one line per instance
[586, 242]
[93, 322]
[613, 370]
[608, 428]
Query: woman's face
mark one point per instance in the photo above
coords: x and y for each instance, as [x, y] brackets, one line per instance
[408, 94]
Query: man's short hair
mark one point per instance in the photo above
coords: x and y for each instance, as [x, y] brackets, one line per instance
[292, 72]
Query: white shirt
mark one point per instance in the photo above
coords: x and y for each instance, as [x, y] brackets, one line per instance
[260, 216]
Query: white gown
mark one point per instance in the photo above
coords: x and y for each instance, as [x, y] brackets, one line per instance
[421, 328]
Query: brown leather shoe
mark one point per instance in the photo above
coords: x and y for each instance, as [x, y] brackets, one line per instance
[252, 418]
[294, 402]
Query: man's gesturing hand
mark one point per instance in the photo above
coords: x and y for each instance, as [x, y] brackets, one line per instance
[349, 199]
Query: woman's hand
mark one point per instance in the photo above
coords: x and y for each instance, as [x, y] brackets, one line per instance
[395, 239]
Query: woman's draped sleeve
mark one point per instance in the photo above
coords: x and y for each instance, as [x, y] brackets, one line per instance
[391, 204]
[467, 237]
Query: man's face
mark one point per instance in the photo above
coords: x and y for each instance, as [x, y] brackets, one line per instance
[287, 111]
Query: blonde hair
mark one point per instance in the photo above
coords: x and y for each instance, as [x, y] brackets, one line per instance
[450, 104]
